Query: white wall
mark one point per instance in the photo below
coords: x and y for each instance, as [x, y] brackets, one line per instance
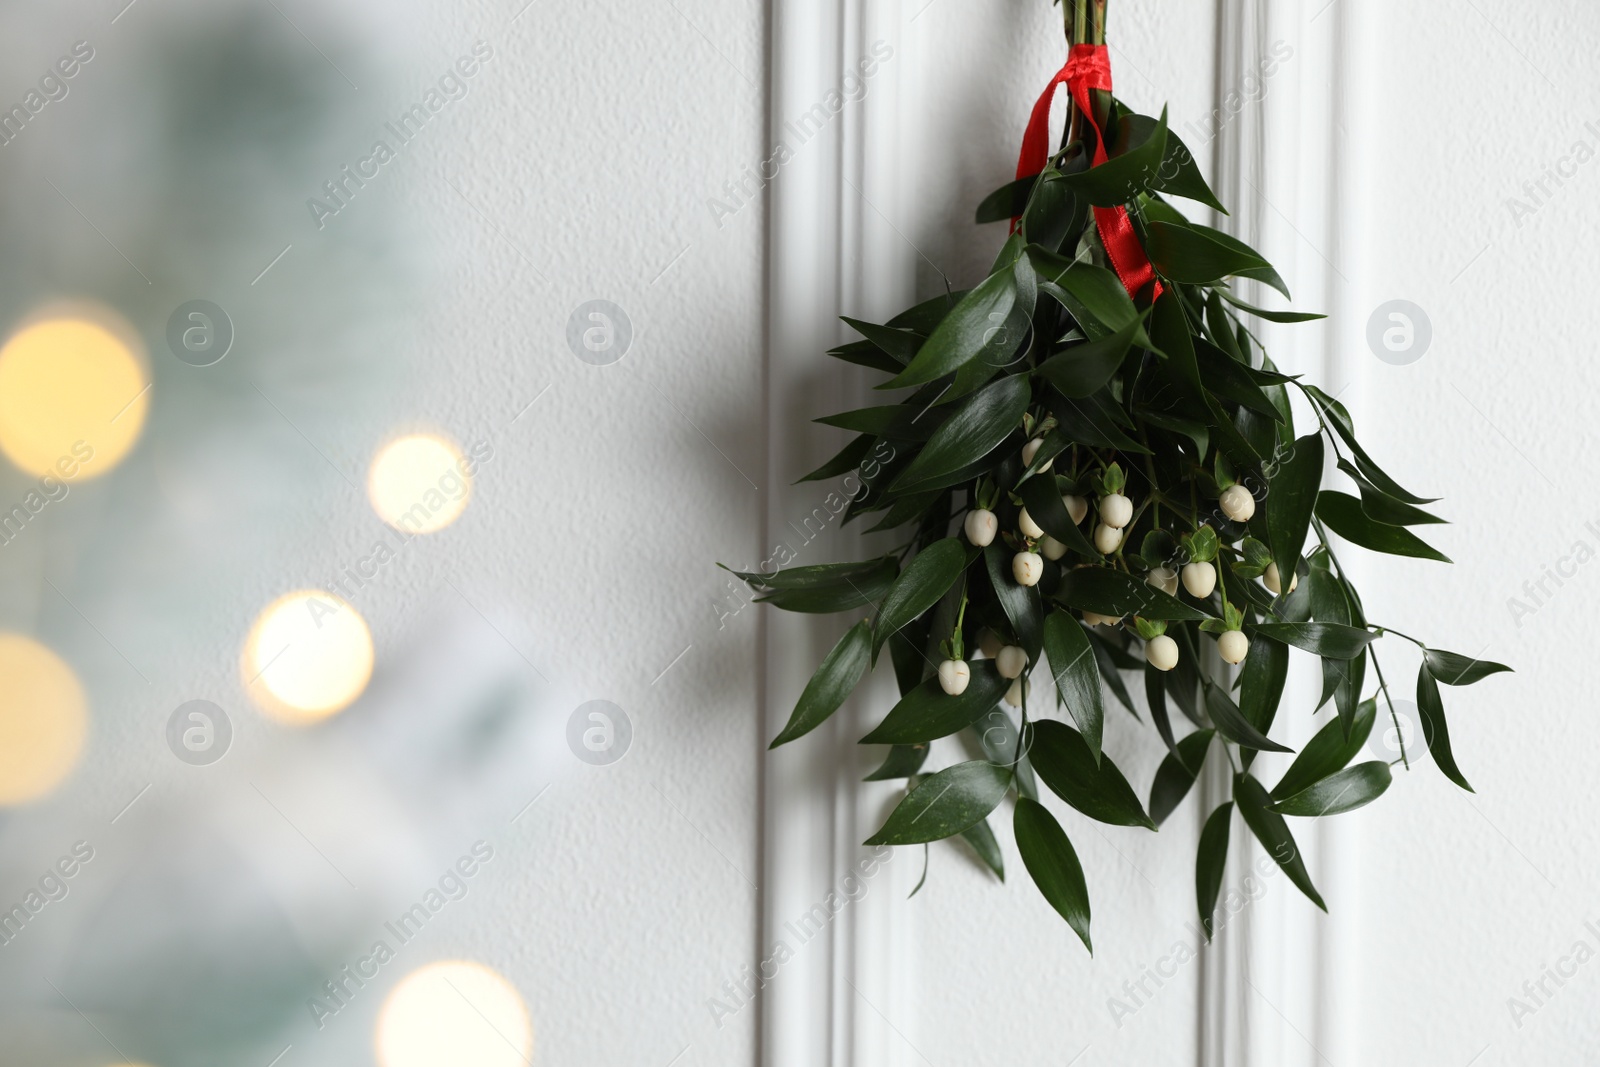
[1469, 896]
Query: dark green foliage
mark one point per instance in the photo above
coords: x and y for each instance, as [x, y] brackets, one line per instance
[1047, 391]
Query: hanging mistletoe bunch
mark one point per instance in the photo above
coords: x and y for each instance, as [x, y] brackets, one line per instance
[1098, 468]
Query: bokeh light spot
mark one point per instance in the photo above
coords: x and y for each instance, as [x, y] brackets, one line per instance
[419, 483]
[44, 717]
[73, 395]
[308, 656]
[454, 1012]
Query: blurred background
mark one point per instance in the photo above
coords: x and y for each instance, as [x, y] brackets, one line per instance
[335, 582]
[379, 384]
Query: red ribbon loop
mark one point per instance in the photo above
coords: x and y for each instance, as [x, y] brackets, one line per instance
[1088, 67]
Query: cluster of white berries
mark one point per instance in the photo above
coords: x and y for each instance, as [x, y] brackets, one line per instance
[1115, 512]
[1010, 660]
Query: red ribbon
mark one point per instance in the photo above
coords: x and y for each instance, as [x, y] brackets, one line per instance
[1089, 67]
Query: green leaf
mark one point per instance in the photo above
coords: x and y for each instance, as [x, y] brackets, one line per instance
[944, 804]
[1328, 752]
[1053, 213]
[1187, 253]
[1331, 640]
[1064, 761]
[981, 838]
[1179, 175]
[1454, 669]
[1094, 296]
[1077, 675]
[925, 317]
[1119, 594]
[1291, 499]
[1169, 328]
[1231, 723]
[865, 354]
[833, 681]
[1342, 514]
[826, 587]
[1271, 316]
[928, 712]
[899, 345]
[1083, 369]
[1006, 202]
[984, 420]
[1092, 420]
[1430, 709]
[898, 422]
[1210, 861]
[1273, 833]
[1120, 179]
[905, 653]
[1344, 791]
[1022, 604]
[1052, 864]
[964, 333]
[926, 578]
[1263, 273]
[847, 460]
[1256, 558]
[1177, 774]
[1382, 507]
[1339, 419]
[902, 762]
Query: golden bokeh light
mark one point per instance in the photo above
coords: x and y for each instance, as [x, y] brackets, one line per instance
[454, 1012]
[74, 391]
[308, 656]
[419, 483]
[44, 717]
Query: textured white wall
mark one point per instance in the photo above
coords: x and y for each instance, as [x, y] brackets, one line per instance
[1466, 897]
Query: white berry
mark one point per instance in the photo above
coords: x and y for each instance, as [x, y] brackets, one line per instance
[1027, 568]
[1164, 579]
[1030, 529]
[1116, 510]
[989, 643]
[1107, 538]
[1017, 693]
[1094, 618]
[1199, 579]
[981, 526]
[1050, 548]
[1237, 503]
[1232, 646]
[1077, 507]
[1274, 581]
[1011, 662]
[1030, 450]
[1161, 653]
[954, 674]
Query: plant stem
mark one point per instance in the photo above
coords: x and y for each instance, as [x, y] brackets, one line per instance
[1383, 683]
